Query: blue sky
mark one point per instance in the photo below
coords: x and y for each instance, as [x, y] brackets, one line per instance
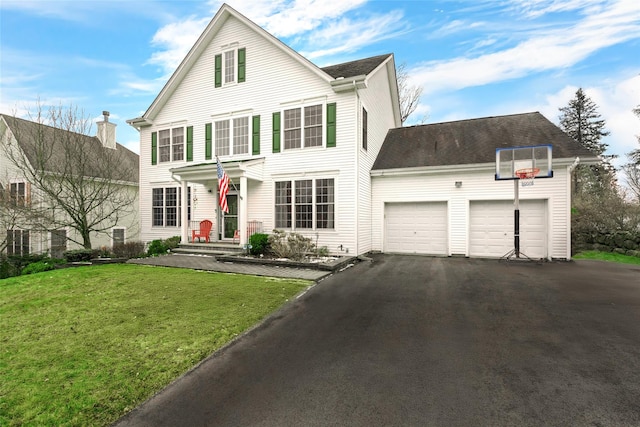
[473, 58]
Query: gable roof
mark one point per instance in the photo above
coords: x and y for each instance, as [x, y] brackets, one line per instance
[328, 74]
[93, 150]
[473, 141]
[360, 67]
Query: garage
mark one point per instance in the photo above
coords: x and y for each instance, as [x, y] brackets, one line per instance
[419, 228]
[491, 228]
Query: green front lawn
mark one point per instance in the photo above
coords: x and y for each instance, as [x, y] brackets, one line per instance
[83, 346]
[608, 256]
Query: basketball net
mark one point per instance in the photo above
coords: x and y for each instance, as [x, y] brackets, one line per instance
[527, 176]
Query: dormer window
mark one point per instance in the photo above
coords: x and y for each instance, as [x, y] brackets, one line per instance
[230, 67]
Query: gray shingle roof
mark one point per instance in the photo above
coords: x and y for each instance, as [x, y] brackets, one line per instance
[93, 152]
[355, 68]
[472, 141]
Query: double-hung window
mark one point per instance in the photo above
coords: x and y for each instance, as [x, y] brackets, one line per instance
[18, 193]
[232, 136]
[303, 127]
[166, 204]
[305, 204]
[171, 144]
[229, 66]
[18, 242]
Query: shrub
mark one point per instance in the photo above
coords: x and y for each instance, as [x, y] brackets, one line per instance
[172, 242]
[157, 247]
[39, 267]
[78, 255]
[133, 249]
[259, 243]
[293, 245]
[322, 251]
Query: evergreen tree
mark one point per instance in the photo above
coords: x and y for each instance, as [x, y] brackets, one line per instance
[632, 168]
[581, 121]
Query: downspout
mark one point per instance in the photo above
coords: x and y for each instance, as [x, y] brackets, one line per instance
[357, 148]
[570, 170]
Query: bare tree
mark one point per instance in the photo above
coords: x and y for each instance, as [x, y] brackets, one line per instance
[409, 94]
[79, 183]
[632, 168]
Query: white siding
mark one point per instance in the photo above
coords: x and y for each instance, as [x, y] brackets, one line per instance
[376, 99]
[476, 185]
[274, 81]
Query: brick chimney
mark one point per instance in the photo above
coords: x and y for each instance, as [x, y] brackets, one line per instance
[107, 132]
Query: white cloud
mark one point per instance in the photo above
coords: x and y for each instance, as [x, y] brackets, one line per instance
[557, 49]
[175, 40]
[347, 35]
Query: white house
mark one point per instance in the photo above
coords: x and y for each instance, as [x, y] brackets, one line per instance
[46, 149]
[300, 144]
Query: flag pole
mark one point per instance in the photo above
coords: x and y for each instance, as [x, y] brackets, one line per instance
[230, 180]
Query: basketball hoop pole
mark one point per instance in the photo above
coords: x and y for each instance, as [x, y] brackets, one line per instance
[516, 218]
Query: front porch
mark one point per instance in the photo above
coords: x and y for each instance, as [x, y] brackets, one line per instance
[218, 238]
[232, 227]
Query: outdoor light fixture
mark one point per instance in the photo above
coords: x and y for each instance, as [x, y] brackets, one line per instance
[458, 184]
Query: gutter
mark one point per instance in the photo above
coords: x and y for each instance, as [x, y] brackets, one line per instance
[342, 84]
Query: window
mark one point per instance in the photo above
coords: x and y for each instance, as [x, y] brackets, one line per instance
[177, 144]
[229, 66]
[117, 236]
[283, 204]
[364, 128]
[232, 136]
[18, 193]
[171, 144]
[165, 206]
[58, 243]
[324, 203]
[304, 204]
[303, 124]
[312, 206]
[18, 242]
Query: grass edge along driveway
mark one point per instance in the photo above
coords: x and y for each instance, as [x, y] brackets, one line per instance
[83, 346]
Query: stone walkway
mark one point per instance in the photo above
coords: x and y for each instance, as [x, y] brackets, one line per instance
[209, 263]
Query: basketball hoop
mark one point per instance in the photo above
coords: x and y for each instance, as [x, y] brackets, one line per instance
[526, 176]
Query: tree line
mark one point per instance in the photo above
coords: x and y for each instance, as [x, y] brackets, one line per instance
[601, 204]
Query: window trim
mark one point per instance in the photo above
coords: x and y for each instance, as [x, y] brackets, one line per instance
[171, 146]
[231, 119]
[11, 242]
[19, 198]
[291, 214]
[303, 125]
[164, 207]
[234, 67]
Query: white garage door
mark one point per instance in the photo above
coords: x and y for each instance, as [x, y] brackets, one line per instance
[491, 228]
[419, 228]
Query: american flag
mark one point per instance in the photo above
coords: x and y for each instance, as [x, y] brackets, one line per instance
[223, 188]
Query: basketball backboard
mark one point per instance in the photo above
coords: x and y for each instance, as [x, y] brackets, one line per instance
[513, 159]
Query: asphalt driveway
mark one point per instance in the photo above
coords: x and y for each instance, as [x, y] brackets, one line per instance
[408, 340]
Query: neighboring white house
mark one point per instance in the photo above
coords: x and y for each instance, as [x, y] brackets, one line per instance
[23, 231]
[299, 143]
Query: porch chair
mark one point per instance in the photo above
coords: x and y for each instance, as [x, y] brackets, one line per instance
[205, 229]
